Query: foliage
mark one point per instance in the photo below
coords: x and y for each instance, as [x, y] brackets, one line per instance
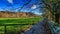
[54, 7]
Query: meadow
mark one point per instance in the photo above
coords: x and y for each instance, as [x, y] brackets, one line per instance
[18, 28]
[18, 20]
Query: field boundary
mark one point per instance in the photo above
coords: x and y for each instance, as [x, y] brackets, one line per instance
[5, 26]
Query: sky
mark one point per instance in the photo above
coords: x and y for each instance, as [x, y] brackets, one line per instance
[15, 5]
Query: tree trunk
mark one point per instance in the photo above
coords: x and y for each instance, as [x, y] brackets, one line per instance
[57, 18]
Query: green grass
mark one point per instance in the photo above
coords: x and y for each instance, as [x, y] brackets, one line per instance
[18, 20]
[16, 28]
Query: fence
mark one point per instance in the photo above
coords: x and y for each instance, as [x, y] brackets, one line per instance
[5, 26]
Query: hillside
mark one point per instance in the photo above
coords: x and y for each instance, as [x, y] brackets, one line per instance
[7, 14]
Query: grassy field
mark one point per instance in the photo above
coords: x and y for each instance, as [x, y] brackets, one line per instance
[18, 20]
[17, 28]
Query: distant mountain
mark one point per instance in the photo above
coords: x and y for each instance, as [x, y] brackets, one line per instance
[8, 14]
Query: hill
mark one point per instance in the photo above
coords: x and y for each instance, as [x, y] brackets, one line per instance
[8, 14]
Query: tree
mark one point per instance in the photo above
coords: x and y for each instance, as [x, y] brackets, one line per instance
[54, 7]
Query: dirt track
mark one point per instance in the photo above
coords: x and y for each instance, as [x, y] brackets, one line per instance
[40, 28]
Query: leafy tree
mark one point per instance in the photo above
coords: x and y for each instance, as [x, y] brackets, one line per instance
[54, 7]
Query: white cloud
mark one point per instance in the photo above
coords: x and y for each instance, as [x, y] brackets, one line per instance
[38, 13]
[34, 6]
[10, 1]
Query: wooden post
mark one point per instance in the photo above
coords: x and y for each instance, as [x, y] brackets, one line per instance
[5, 29]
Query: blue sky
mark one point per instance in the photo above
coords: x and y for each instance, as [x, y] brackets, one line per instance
[15, 5]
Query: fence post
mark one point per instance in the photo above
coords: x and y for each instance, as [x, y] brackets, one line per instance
[5, 29]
